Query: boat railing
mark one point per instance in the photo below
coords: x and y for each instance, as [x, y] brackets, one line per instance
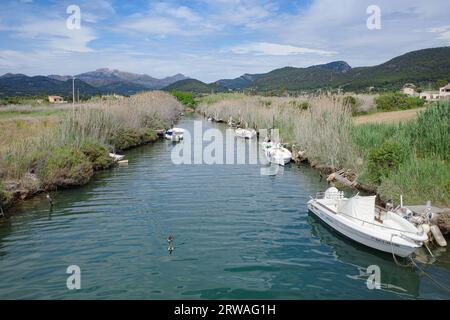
[379, 225]
[339, 195]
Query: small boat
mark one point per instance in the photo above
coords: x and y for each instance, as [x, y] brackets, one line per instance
[174, 134]
[245, 133]
[116, 157]
[359, 219]
[276, 153]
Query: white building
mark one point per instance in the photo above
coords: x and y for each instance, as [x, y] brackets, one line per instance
[429, 95]
[409, 89]
[444, 92]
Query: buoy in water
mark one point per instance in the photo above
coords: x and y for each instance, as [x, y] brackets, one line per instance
[170, 247]
[50, 200]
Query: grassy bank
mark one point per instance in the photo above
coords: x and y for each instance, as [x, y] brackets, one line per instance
[65, 149]
[409, 158]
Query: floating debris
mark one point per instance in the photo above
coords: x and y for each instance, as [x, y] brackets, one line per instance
[170, 247]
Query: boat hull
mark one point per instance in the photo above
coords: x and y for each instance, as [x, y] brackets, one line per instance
[356, 235]
[245, 133]
[280, 158]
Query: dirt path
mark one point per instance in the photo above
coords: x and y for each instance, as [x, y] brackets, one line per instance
[388, 117]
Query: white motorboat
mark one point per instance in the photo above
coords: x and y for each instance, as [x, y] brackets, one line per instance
[116, 157]
[359, 219]
[245, 133]
[276, 153]
[174, 134]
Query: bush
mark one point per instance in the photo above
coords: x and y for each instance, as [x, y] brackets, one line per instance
[186, 98]
[65, 166]
[5, 197]
[384, 159]
[125, 138]
[148, 135]
[397, 101]
[98, 155]
[351, 103]
[419, 180]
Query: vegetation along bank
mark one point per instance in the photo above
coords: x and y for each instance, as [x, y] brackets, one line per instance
[408, 157]
[44, 148]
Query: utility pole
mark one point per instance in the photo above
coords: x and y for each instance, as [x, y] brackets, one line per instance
[73, 94]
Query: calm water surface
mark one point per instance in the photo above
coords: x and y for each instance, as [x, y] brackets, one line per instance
[238, 234]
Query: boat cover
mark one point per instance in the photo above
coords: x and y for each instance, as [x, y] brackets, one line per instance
[359, 207]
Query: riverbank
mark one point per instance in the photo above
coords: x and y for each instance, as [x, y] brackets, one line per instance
[387, 159]
[64, 152]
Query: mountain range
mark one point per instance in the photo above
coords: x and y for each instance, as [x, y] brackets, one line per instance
[100, 81]
[422, 67]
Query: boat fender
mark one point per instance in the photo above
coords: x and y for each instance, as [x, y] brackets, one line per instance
[425, 228]
[437, 234]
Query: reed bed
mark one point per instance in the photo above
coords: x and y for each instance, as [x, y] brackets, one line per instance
[318, 125]
[405, 158]
[66, 152]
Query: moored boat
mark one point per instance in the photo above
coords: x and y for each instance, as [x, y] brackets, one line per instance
[174, 134]
[276, 153]
[116, 157]
[359, 219]
[245, 133]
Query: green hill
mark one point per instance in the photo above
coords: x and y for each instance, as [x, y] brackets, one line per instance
[195, 86]
[422, 67]
[22, 85]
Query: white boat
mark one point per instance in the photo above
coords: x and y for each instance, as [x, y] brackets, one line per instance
[116, 157]
[360, 220]
[276, 153]
[174, 134]
[245, 133]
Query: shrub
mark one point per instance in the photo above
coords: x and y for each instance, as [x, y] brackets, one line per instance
[351, 103]
[384, 159]
[98, 155]
[186, 98]
[125, 138]
[148, 135]
[5, 197]
[304, 105]
[397, 101]
[65, 166]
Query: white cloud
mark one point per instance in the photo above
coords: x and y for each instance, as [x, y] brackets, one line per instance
[273, 49]
[56, 35]
[443, 31]
[152, 25]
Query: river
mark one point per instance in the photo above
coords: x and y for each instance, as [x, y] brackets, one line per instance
[238, 234]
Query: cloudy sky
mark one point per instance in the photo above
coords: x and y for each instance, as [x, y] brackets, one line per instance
[212, 39]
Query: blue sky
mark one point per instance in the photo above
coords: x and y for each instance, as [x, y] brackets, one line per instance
[212, 39]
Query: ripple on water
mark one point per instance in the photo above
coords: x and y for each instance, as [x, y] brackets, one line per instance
[237, 234]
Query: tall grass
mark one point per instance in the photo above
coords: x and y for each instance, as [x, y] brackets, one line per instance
[419, 179]
[89, 123]
[319, 125]
[323, 127]
[431, 133]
